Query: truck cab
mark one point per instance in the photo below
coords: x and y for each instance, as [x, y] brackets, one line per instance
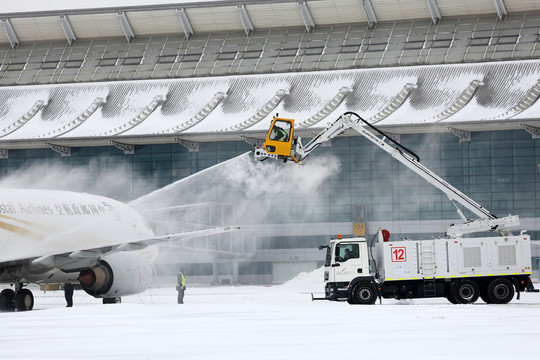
[346, 260]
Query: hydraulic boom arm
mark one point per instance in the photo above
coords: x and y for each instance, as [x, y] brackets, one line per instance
[486, 222]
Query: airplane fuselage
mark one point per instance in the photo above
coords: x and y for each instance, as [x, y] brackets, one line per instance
[37, 223]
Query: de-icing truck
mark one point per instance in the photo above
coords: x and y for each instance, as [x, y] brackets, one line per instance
[462, 269]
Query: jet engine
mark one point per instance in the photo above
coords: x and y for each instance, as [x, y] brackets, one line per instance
[117, 274]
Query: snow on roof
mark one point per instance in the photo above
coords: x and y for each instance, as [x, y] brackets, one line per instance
[387, 96]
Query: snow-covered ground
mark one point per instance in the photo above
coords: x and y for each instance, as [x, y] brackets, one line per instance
[268, 322]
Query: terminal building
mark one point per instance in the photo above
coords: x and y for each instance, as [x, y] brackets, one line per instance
[159, 93]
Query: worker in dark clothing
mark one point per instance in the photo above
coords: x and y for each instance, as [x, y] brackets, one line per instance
[280, 134]
[68, 294]
[181, 285]
[350, 255]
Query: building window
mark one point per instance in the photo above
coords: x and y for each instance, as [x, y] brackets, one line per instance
[191, 58]
[167, 59]
[47, 65]
[136, 60]
[314, 50]
[16, 67]
[480, 41]
[441, 43]
[70, 64]
[287, 52]
[345, 49]
[227, 55]
[508, 39]
[253, 54]
[376, 47]
[414, 45]
[107, 62]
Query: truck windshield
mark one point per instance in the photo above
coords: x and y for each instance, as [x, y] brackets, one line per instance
[329, 252]
[345, 252]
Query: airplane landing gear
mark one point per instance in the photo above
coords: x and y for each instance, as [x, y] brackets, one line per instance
[7, 300]
[22, 300]
[113, 300]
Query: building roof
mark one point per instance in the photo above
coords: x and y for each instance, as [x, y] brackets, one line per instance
[466, 97]
[115, 19]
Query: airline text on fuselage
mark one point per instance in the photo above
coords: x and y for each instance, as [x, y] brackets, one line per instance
[69, 209]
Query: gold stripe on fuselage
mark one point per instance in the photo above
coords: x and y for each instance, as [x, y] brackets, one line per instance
[34, 225]
[21, 231]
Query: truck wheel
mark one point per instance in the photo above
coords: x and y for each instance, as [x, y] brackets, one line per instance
[451, 298]
[500, 291]
[465, 291]
[484, 296]
[363, 293]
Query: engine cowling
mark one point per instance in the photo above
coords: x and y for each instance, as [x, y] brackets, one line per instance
[117, 274]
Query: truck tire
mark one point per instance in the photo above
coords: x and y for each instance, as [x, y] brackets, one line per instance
[363, 293]
[500, 291]
[465, 291]
[484, 296]
[451, 298]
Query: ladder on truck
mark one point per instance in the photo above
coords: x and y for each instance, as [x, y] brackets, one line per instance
[427, 259]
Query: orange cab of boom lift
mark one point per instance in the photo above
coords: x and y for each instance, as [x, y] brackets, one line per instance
[279, 140]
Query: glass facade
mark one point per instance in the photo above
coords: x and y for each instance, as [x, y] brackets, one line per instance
[149, 168]
[498, 169]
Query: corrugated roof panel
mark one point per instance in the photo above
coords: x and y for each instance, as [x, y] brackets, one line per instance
[38, 28]
[391, 10]
[461, 8]
[223, 16]
[155, 22]
[123, 104]
[63, 105]
[437, 92]
[517, 80]
[16, 103]
[246, 96]
[311, 93]
[210, 19]
[521, 5]
[267, 16]
[233, 103]
[337, 12]
[90, 26]
[183, 102]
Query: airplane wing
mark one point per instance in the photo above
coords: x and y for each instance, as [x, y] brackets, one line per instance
[87, 257]
[176, 208]
[175, 237]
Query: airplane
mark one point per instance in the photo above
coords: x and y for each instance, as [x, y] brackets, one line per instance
[54, 236]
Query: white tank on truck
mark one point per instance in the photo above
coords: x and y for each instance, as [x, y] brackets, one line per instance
[462, 269]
